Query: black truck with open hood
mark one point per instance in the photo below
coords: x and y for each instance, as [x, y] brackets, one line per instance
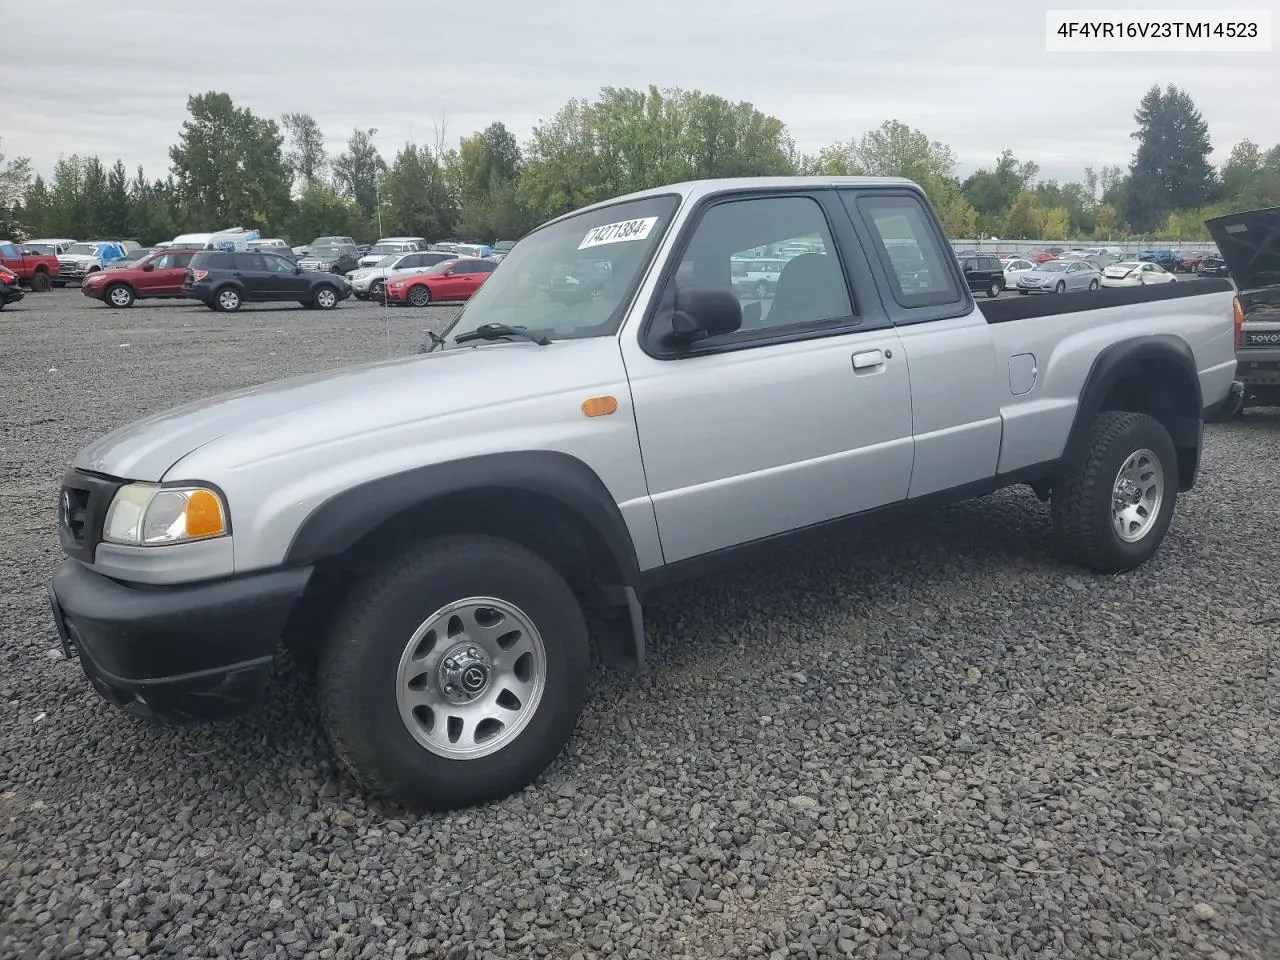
[1250, 245]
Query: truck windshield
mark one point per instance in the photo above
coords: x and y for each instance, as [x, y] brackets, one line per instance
[83, 250]
[39, 249]
[572, 278]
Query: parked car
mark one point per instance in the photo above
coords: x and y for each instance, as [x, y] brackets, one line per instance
[1188, 261]
[331, 258]
[1249, 243]
[131, 259]
[82, 259]
[1061, 276]
[1015, 267]
[444, 537]
[38, 271]
[47, 246]
[1165, 258]
[226, 280]
[367, 282]
[1136, 273]
[984, 272]
[386, 248]
[10, 287]
[448, 281]
[757, 275]
[160, 275]
[1213, 267]
[273, 245]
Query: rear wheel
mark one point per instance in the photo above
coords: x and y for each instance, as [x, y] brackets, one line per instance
[119, 295]
[419, 296]
[1112, 512]
[1061, 287]
[994, 290]
[455, 674]
[1093, 284]
[40, 282]
[227, 300]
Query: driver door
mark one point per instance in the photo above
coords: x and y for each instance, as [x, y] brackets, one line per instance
[282, 280]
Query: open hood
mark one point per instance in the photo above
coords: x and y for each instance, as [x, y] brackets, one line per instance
[1250, 244]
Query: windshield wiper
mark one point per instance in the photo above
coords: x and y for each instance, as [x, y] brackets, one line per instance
[496, 331]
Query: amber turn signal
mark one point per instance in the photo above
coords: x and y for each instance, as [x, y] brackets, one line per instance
[600, 406]
[204, 515]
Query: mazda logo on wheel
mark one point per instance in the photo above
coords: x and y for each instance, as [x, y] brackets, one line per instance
[473, 678]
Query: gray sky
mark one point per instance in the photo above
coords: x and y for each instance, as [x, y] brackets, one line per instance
[113, 80]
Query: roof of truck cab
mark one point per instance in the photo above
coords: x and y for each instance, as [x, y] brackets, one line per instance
[697, 189]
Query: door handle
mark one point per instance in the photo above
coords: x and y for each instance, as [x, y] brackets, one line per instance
[871, 358]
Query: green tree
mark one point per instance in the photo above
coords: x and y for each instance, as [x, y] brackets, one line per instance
[1025, 220]
[116, 211]
[629, 140]
[15, 177]
[484, 171]
[1170, 169]
[838, 159]
[358, 170]
[306, 158]
[229, 165]
[897, 150]
[36, 211]
[1056, 224]
[419, 199]
[959, 219]
[153, 209]
[322, 211]
[992, 192]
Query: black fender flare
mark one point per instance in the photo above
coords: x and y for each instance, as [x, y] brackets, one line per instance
[1127, 357]
[338, 523]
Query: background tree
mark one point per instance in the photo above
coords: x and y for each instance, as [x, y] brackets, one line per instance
[897, 150]
[483, 172]
[1171, 167]
[306, 157]
[229, 165]
[418, 199]
[321, 211]
[115, 206]
[358, 169]
[15, 177]
[991, 192]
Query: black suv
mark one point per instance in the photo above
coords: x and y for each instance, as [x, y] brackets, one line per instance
[983, 273]
[224, 280]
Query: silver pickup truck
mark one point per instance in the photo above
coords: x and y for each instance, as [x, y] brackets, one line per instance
[443, 537]
[1250, 245]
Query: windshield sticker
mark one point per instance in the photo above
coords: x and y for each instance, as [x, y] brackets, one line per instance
[618, 232]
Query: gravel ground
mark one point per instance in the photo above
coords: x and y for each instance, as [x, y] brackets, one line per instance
[935, 742]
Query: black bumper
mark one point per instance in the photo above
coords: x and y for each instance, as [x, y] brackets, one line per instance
[175, 654]
[10, 294]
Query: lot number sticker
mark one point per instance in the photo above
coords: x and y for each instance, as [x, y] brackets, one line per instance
[618, 232]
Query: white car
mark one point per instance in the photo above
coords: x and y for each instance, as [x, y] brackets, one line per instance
[1135, 273]
[367, 282]
[1015, 267]
[387, 248]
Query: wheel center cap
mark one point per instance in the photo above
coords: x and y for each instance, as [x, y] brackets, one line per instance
[464, 673]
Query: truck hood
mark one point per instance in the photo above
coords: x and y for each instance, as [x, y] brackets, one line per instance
[1250, 245]
[363, 397]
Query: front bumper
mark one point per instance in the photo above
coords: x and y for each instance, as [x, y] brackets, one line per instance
[189, 653]
[10, 293]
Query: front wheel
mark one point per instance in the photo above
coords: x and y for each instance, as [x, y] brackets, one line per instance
[994, 290]
[119, 295]
[1093, 285]
[325, 298]
[455, 674]
[375, 290]
[1061, 287]
[420, 296]
[1112, 511]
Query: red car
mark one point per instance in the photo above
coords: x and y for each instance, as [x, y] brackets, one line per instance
[157, 275]
[10, 288]
[451, 280]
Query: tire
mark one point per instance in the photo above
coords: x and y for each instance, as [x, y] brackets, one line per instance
[419, 296]
[227, 300]
[40, 282]
[375, 290]
[366, 662]
[1093, 285]
[993, 291]
[118, 295]
[1061, 287]
[762, 290]
[1083, 510]
[325, 297]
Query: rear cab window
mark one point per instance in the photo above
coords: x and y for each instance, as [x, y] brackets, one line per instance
[917, 266]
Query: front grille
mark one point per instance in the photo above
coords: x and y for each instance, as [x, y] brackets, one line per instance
[82, 508]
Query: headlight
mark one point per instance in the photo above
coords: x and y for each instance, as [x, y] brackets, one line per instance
[147, 514]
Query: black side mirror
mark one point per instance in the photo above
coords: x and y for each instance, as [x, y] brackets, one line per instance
[701, 312]
[148, 267]
[297, 269]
